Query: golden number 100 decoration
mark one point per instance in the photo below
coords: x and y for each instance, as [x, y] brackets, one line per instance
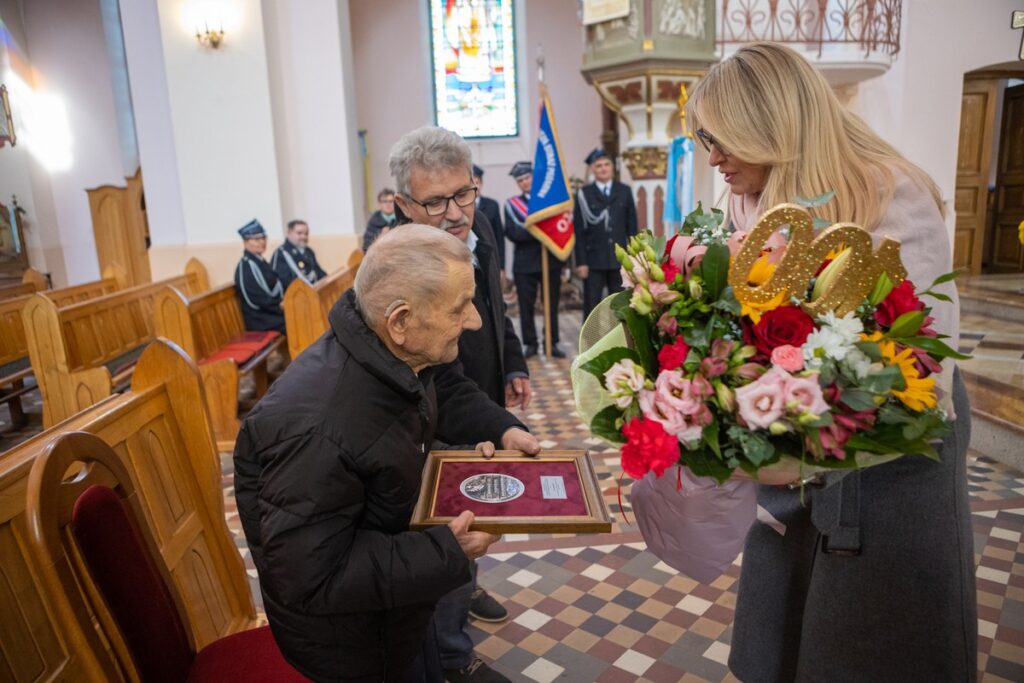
[804, 255]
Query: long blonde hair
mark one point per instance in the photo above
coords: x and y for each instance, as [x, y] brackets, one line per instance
[767, 105]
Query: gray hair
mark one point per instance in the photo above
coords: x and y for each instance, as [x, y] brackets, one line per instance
[430, 148]
[409, 263]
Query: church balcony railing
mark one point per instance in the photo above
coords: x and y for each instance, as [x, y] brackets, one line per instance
[849, 40]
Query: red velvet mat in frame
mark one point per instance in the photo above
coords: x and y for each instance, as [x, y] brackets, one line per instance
[555, 492]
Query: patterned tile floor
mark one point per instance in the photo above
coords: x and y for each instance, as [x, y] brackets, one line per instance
[601, 608]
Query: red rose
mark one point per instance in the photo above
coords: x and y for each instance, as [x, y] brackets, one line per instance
[648, 447]
[783, 325]
[672, 355]
[901, 299]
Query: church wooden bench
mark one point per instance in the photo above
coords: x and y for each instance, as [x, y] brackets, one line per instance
[161, 430]
[15, 367]
[210, 329]
[31, 281]
[86, 351]
[306, 306]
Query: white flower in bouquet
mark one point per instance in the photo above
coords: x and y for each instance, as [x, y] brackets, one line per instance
[624, 380]
[849, 327]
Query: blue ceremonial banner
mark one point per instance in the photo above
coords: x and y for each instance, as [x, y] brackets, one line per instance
[550, 210]
[679, 184]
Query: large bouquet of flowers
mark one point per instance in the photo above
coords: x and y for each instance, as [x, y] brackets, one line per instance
[784, 348]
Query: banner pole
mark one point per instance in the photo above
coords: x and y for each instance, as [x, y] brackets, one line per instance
[545, 283]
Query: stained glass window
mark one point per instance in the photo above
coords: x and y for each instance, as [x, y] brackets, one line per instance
[472, 45]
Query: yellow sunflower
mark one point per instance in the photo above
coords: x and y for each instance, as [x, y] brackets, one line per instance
[919, 393]
[759, 274]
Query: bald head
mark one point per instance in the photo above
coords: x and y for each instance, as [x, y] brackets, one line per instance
[410, 264]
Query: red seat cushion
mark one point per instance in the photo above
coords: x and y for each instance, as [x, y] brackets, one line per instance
[242, 348]
[250, 656]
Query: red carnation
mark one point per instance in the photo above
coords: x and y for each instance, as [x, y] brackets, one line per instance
[670, 269]
[783, 325]
[672, 356]
[901, 299]
[648, 447]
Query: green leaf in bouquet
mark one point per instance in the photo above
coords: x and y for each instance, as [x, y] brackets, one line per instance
[827, 373]
[823, 420]
[857, 399]
[906, 325]
[658, 243]
[714, 269]
[948, 277]
[935, 347]
[620, 301]
[710, 434]
[606, 425]
[728, 302]
[603, 362]
[810, 202]
[864, 442]
[883, 285]
[703, 464]
[937, 295]
[690, 223]
[884, 380]
[870, 349]
[696, 336]
[639, 329]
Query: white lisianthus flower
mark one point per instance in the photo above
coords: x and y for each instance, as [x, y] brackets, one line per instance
[849, 327]
[624, 381]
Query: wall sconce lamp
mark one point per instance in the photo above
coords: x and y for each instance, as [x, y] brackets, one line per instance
[210, 39]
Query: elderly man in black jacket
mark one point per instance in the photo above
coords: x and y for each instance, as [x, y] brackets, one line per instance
[433, 171]
[328, 465]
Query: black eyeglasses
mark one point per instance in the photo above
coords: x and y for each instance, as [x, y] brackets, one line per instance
[439, 206]
[708, 141]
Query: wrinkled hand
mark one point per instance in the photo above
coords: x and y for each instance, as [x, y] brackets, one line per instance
[516, 439]
[473, 543]
[518, 393]
[582, 272]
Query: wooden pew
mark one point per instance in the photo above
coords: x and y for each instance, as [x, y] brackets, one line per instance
[162, 431]
[14, 360]
[306, 306]
[82, 352]
[210, 329]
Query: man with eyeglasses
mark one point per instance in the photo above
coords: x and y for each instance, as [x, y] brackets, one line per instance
[433, 168]
[256, 284]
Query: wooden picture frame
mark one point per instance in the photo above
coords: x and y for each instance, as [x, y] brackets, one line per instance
[6, 120]
[575, 506]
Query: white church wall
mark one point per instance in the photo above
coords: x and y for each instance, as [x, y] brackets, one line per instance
[391, 50]
[916, 104]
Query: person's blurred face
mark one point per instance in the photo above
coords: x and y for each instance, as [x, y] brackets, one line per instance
[386, 204]
[742, 178]
[299, 235]
[602, 169]
[426, 186]
[256, 245]
[432, 337]
[479, 181]
[524, 182]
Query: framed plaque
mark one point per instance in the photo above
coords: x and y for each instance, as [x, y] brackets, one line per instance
[554, 492]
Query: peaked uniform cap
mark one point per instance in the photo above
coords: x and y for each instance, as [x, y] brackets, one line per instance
[252, 229]
[520, 169]
[595, 154]
[477, 171]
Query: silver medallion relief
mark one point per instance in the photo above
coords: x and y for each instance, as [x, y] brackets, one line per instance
[492, 488]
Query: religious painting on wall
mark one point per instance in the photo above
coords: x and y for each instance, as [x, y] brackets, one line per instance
[474, 67]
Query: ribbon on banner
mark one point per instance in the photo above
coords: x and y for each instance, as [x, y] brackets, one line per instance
[679, 183]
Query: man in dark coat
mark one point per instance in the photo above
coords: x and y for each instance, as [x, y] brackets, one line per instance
[492, 212]
[256, 284]
[295, 258]
[604, 215]
[431, 167]
[526, 264]
[328, 466]
[381, 220]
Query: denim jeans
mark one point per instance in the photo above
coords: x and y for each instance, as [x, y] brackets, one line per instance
[451, 619]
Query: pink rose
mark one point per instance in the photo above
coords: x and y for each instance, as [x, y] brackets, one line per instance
[788, 357]
[762, 402]
[686, 255]
[803, 395]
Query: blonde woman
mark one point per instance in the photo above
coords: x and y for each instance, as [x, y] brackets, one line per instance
[873, 578]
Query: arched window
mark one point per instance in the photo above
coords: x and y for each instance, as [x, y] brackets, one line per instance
[472, 44]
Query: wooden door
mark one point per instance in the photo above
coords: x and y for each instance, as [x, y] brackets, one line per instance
[1007, 252]
[977, 120]
[119, 226]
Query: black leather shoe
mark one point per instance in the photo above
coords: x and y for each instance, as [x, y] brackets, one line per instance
[557, 352]
[486, 608]
[529, 351]
[476, 672]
